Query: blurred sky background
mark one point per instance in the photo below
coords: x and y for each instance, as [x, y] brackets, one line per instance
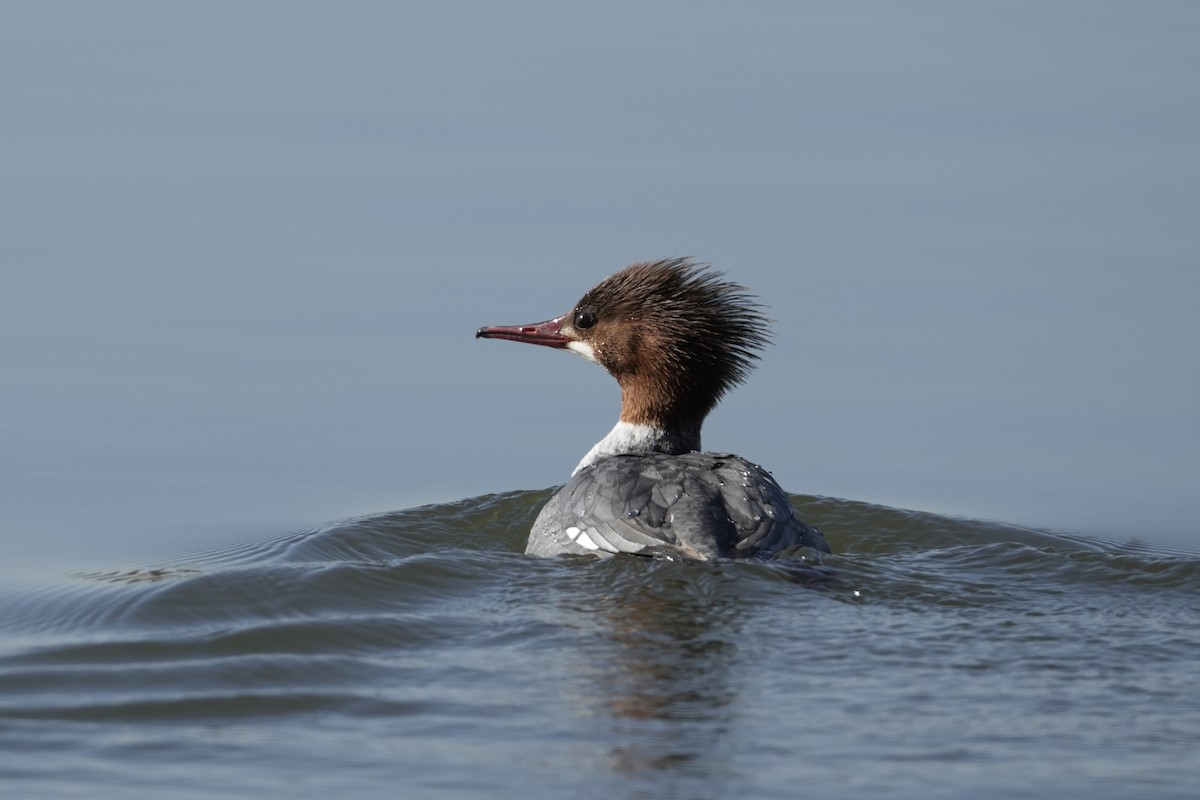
[245, 247]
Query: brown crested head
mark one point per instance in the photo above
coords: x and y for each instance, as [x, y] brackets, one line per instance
[674, 334]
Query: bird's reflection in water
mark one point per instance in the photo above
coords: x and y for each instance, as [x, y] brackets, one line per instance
[661, 665]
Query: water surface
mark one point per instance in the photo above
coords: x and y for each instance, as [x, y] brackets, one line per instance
[421, 653]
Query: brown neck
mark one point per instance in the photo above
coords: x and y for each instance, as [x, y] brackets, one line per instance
[680, 422]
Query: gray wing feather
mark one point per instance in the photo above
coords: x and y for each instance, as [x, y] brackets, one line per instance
[701, 505]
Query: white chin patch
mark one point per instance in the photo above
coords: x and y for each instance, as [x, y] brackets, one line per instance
[582, 349]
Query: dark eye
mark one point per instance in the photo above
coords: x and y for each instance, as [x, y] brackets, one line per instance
[584, 319]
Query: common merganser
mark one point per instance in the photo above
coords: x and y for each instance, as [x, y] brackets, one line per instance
[676, 337]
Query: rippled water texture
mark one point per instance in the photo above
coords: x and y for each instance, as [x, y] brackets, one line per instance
[420, 653]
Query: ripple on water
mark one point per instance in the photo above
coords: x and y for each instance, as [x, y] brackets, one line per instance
[430, 625]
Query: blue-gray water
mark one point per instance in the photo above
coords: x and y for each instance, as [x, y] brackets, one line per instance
[243, 250]
[420, 654]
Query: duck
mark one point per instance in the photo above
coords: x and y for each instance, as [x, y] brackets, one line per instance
[677, 336]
